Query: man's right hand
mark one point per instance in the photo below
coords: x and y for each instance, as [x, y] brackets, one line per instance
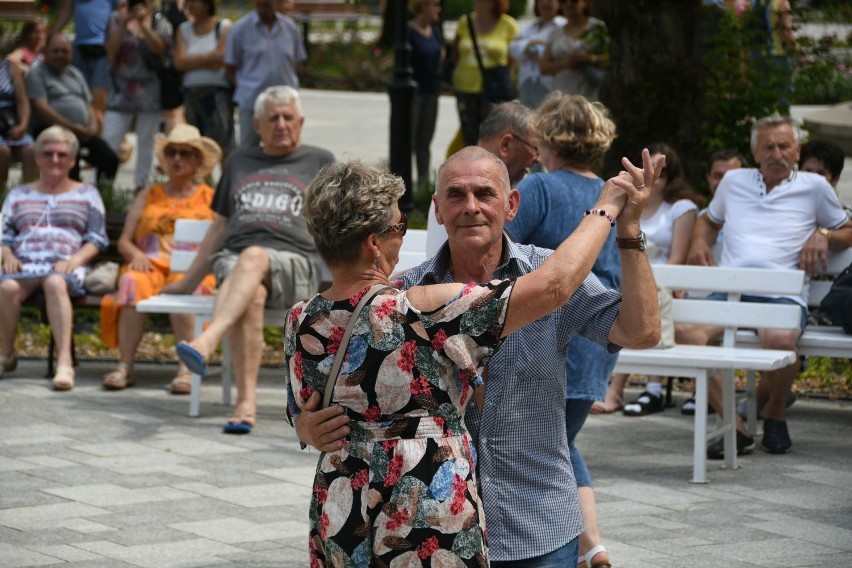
[323, 429]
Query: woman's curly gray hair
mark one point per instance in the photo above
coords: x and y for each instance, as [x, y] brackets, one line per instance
[577, 129]
[345, 203]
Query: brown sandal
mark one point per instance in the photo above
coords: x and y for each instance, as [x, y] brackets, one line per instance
[182, 383]
[119, 378]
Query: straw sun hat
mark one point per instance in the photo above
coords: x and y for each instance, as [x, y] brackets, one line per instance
[188, 135]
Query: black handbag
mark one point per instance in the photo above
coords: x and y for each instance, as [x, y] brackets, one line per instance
[837, 304]
[497, 81]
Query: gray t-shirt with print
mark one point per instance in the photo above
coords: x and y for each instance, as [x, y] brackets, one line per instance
[263, 196]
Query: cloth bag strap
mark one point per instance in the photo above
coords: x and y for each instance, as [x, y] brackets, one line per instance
[344, 343]
[476, 47]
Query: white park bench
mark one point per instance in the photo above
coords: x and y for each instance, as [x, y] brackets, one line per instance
[700, 361]
[191, 232]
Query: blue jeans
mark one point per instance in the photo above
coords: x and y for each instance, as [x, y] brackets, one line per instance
[565, 557]
[576, 412]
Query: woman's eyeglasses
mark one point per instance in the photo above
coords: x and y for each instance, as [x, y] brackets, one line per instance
[184, 153]
[401, 227]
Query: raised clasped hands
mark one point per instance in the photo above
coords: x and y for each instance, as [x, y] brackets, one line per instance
[624, 196]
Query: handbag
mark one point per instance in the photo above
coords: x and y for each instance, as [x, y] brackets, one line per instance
[344, 343]
[8, 120]
[837, 304]
[497, 81]
[102, 278]
[171, 80]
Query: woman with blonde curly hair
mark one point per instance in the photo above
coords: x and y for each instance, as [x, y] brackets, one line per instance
[575, 133]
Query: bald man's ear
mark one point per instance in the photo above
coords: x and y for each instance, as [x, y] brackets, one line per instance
[514, 203]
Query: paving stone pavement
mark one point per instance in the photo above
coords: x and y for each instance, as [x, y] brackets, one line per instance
[90, 478]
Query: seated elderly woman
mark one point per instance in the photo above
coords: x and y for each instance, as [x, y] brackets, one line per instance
[406, 475]
[52, 229]
[147, 241]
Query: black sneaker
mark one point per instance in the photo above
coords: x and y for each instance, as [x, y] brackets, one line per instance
[745, 445]
[742, 406]
[776, 438]
[647, 403]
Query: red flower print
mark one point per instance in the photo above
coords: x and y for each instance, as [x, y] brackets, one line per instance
[394, 470]
[305, 393]
[360, 479]
[428, 548]
[420, 386]
[314, 558]
[406, 356]
[385, 309]
[388, 445]
[323, 525]
[353, 301]
[397, 520]
[372, 414]
[295, 313]
[322, 494]
[459, 489]
[334, 340]
[468, 288]
[439, 340]
[297, 366]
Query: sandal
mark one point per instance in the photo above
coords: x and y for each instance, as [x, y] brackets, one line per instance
[118, 378]
[8, 364]
[647, 403]
[600, 406]
[182, 383]
[239, 424]
[63, 380]
[589, 557]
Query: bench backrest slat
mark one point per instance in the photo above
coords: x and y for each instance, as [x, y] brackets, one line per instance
[738, 280]
[413, 251]
[187, 232]
[736, 314]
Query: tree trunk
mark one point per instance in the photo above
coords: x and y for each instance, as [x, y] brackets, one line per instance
[655, 82]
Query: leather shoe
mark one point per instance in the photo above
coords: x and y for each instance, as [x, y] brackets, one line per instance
[776, 438]
[745, 445]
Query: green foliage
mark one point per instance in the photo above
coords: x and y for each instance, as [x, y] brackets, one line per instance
[115, 199]
[828, 370]
[822, 77]
[344, 65]
[273, 335]
[455, 8]
[743, 82]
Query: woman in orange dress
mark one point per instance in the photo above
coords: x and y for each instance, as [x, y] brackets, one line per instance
[147, 242]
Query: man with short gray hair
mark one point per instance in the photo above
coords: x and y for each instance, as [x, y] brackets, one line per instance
[258, 246]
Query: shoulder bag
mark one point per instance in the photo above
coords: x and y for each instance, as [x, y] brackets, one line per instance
[497, 81]
[344, 343]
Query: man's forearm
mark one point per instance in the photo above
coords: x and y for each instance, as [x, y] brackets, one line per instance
[638, 322]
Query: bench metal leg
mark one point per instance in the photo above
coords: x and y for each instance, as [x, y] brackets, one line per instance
[699, 443]
[729, 418]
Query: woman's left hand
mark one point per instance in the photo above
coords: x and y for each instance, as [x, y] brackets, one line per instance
[65, 266]
[17, 132]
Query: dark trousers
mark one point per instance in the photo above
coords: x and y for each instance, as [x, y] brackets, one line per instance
[473, 108]
[100, 156]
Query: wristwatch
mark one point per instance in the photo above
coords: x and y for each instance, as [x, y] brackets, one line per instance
[825, 233]
[634, 243]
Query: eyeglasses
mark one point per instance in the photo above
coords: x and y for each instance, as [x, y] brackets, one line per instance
[184, 153]
[401, 227]
[529, 145]
[48, 155]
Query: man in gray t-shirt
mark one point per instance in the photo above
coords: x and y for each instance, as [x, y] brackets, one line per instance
[59, 95]
[258, 245]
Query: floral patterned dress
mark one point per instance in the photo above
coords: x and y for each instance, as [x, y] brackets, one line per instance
[403, 491]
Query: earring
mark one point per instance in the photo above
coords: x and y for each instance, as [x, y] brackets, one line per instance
[378, 266]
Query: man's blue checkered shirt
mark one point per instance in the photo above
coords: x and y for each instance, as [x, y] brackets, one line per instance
[528, 487]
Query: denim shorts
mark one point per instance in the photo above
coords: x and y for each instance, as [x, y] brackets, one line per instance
[764, 300]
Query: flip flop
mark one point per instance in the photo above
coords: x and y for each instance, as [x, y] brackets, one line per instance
[192, 359]
[241, 427]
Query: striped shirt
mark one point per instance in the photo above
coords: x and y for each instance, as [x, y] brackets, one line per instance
[528, 488]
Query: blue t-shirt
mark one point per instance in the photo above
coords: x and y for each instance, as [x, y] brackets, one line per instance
[425, 57]
[552, 205]
[90, 20]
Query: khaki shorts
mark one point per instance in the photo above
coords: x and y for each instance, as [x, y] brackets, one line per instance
[291, 278]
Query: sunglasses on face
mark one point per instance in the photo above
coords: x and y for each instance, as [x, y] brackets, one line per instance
[401, 227]
[184, 153]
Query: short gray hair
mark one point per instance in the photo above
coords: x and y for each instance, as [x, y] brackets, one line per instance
[57, 133]
[472, 154]
[773, 121]
[509, 117]
[280, 94]
[345, 203]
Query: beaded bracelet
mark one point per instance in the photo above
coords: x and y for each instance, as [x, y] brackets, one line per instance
[602, 213]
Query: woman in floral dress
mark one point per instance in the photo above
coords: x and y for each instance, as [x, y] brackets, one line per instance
[403, 490]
